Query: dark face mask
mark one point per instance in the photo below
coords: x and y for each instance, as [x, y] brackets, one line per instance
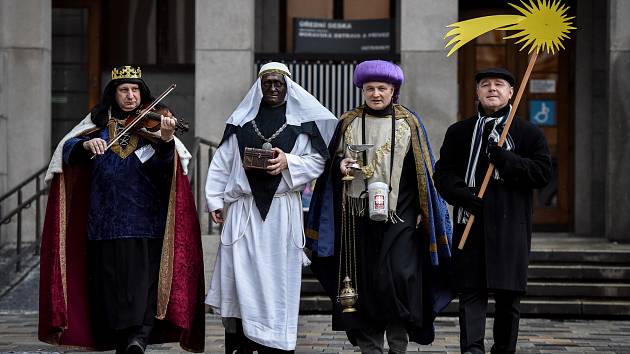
[274, 89]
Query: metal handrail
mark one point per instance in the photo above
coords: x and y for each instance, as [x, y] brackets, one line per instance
[22, 204]
[23, 183]
[5, 219]
[195, 172]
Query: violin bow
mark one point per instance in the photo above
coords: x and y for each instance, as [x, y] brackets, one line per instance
[139, 117]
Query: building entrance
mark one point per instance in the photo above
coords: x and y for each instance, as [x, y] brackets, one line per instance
[548, 102]
[75, 63]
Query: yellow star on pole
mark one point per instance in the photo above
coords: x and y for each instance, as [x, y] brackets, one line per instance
[543, 25]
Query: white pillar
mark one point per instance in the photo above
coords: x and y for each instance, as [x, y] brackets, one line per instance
[25, 90]
[224, 61]
[430, 77]
[224, 64]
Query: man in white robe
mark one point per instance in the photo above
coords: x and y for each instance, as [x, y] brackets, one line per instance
[257, 276]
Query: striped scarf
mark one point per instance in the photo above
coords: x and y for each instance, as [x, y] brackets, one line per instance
[475, 148]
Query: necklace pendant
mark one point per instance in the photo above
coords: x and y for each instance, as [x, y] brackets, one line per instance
[267, 146]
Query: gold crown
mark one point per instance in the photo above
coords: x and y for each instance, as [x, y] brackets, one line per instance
[126, 72]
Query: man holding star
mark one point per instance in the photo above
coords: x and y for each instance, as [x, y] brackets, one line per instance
[495, 258]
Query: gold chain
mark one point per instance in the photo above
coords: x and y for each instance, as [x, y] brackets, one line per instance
[343, 233]
[354, 253]
[369, 169]
[348, 242]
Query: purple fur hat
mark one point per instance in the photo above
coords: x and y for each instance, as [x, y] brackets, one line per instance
[379, 71]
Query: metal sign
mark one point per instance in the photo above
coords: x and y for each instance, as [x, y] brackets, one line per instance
[342, 36]
[542, 112]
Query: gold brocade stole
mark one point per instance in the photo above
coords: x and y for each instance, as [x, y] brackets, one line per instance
[126, 144]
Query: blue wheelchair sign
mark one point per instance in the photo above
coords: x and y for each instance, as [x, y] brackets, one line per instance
[542, 112]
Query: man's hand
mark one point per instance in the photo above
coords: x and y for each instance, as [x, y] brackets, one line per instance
[475, 206]
[217, 216]
[498, 156]
[167, 128]
[343, 166]
[97, 146]
[418, 220]
[278, 164]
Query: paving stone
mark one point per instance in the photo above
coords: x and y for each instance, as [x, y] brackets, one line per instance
[18, 334]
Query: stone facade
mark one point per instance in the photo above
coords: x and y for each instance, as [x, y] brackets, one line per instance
[25, 70]
[229, 32]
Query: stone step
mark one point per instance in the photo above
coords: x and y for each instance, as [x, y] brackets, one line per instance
[561, 307]
[10, 275]
[568, 276]
[578, 289]
[529, 306]
[590, 256]
[311, 286]
[552, 272]
[578, 272]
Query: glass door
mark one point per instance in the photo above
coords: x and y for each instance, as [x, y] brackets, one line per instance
[75, 63]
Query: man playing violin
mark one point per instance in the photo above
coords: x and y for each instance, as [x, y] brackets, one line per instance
[122, 239]
[128, 98]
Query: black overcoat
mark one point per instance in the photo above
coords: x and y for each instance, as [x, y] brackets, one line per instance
[496, 254]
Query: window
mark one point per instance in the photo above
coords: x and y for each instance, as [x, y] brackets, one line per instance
[148, 32]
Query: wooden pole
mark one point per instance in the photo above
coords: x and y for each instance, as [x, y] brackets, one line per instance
[486, 179]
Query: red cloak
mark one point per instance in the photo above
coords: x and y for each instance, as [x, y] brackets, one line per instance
[64, 316]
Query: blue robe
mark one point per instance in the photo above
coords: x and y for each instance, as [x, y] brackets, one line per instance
[128, 197]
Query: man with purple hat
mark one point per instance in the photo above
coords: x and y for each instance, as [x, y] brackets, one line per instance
[494, 259]
[376, 226]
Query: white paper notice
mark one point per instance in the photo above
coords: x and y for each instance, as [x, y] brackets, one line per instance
[144, 153]
[542, 86]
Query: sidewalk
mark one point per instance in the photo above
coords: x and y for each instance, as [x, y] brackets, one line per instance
[18, 334]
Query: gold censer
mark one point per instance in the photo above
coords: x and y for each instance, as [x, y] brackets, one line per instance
[348, 296]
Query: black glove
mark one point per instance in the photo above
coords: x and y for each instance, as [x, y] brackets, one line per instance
[466, 198]
[475, 206]
[498, 156]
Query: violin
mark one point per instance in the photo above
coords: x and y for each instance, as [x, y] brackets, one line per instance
[152, 119]
[132, 121]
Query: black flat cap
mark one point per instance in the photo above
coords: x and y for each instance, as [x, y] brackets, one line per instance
[495, 72]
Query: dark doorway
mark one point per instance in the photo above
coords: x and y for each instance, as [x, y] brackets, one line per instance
[548, 102]
[75, 62]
